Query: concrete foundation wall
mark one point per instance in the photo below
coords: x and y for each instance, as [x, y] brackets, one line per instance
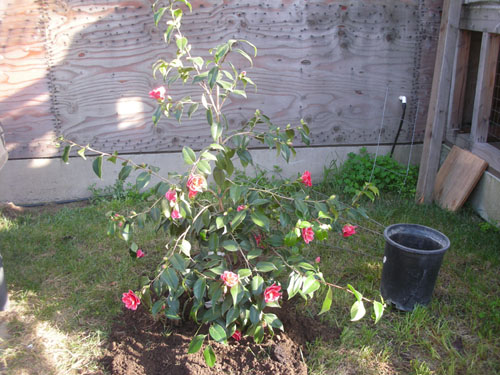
[486, 198]
[34, 181]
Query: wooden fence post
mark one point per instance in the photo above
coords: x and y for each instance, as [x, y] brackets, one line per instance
[440, 94]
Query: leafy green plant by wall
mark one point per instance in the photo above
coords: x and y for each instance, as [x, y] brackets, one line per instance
[388, 174]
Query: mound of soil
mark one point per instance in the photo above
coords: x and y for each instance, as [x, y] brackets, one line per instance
[139, 345]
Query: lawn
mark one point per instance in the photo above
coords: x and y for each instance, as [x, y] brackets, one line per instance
[66, 276]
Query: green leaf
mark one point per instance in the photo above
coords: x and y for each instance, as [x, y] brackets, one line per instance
[294, 284]
[258, 334]
[187, 3]
[157, 114]
[142, 180]
[196, 343]
[199, 288]
[209, 356]
[235, 193]
[210, 117]
[357, 294]
[310, 285]
[240, 92]
[291, 238]
[327, 303]
[260, 202]
[204, 167]
[245, 55]
[265, 267]
[112, 158]
[306, 266]
[199, 78]
[357, 311]
[170, 277]
[378, 309]
[158, 15]
[81, 152]
[188, 155]
[212, 76]
[221, 51]
[157, 307]
[126, 232]
[192, 109]
[219, 222]
[273, 321]
[237, 293]
[255, 253]
[217, 333]
[301, 206]
[216, 146]
[254, 314]
[232, 315]
[178, 262]
[197, 61]
[97, 166]
[181, 43]
[257, 285]
[244, 272]
[216, 131]
[125, 172]
[284, 219]
[185, 247]
[238, 218]
[213, 242]
[260, 219]
[65, 155]
[219, 176]
[230, 245]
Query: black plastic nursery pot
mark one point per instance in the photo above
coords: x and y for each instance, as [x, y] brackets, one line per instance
[412, 259]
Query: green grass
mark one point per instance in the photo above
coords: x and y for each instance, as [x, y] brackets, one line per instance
[458, 333]
[66, 278]
[63, 270]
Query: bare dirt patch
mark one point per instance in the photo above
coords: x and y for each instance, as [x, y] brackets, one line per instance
[139, 345]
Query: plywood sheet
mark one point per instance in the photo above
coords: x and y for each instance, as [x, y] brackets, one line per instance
[457, 177]
[328, 62]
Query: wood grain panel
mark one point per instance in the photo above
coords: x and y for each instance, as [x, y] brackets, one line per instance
[457, 177]
[25, 99]
[329, 62]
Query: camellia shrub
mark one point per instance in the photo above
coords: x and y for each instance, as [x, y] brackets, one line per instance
[232, 248]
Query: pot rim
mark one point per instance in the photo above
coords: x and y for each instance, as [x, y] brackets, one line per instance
[431, 233]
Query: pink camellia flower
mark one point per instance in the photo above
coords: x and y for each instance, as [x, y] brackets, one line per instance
[241, 208]
[306, 178]
[272, 293]
[236, 335]
[307, 234]
[140, 253]
[175, 215]
[348, 230]
[158, 93]
[318, 259]
[196, 184]
[171, 195]
[230, 278]
[120, 224]
[130, 300]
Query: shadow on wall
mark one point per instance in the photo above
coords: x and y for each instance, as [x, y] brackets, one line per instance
[82, 71]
